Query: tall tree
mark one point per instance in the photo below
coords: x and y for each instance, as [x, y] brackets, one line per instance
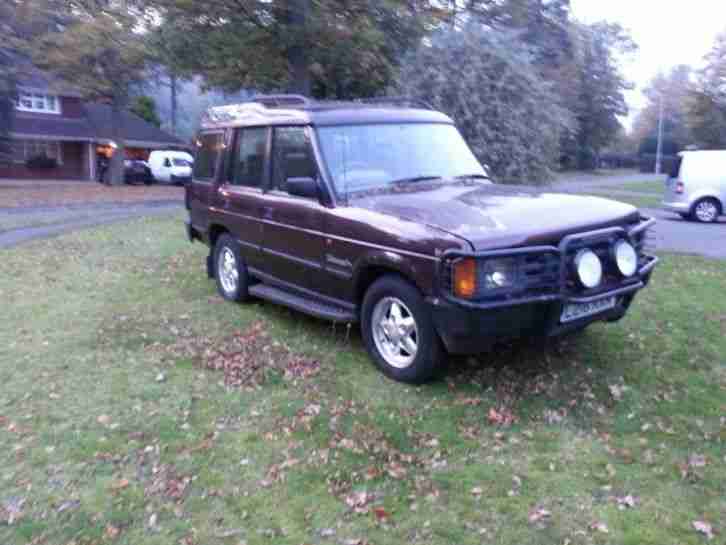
[102, 54]
[145, 107]
[485, 79]
[673, 88]
[707, 105]
[600, 86]
[327, 48]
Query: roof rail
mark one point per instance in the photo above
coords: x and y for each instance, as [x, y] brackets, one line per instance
[398, 101]
[281, 100]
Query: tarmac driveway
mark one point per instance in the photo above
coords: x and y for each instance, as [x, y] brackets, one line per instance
[23, 224]
[674, 234]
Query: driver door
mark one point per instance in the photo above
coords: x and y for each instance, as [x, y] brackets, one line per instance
[293, 241]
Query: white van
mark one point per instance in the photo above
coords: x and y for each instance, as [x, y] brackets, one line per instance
[171, 167]
[696, 187]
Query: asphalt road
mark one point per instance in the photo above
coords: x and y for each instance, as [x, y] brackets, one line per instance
[20, 225]
[674, 234]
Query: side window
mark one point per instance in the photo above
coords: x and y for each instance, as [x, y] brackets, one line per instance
[167, 163]
[292, 157]
[208, 151]
[248, 166]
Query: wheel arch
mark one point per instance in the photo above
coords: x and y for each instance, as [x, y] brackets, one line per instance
[215, 230]
[376, 265]
[706, 194]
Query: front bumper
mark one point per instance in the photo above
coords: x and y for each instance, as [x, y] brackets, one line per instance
[470, 327]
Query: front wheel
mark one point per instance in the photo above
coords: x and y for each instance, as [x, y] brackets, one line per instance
[707, 210]
[230, 272]
[399, 333]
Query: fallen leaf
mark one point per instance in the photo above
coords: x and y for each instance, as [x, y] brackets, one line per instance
[380, 513]
[395, 470]
[538, 514]
[120, 485]
[600, 527]
[112, 531]
[697, 460]
[104, 420]
[704, 528]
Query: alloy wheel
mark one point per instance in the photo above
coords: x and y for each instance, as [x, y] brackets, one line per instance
[395, 332]
[706, 211]
[228, 270]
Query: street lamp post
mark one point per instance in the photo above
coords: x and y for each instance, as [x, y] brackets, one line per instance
[659, 151]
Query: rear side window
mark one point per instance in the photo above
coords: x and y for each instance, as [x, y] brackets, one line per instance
[676, 169]
[248, 165]
[209, 147]
[292, 157]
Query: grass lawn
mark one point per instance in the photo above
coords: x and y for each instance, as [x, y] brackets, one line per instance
[636, 200]
[656, 187]
[138, 408]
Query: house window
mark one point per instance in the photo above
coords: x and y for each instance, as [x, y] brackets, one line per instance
[37, 102]
[22, 150]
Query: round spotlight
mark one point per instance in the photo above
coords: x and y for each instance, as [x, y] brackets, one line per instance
[626, 258]
[589, 268]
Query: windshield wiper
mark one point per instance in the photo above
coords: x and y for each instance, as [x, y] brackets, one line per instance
[413, 179]
[472, 176]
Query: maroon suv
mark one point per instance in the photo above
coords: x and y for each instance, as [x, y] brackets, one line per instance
[380, 214]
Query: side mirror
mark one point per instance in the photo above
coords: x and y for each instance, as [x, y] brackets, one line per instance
[303, 187]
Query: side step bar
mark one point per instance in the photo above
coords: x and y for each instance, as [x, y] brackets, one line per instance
[313, 307]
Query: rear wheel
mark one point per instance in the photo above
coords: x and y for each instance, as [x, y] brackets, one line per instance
[706, 210]
[230, 272]
[399, 333]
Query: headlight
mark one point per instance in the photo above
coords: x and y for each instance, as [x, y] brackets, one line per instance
[499, 273]
[589, 268]
[626, 258]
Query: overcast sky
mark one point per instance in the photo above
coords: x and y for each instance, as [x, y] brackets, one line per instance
[668, 32]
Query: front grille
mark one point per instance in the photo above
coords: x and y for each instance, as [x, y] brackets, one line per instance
[548, 271]
[535, 274]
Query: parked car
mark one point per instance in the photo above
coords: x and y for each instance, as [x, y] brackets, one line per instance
[136, 172]
[380, 214]
[171, 167]
[696, 186]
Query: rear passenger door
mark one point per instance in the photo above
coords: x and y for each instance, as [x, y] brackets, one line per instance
[293, 244]
[240, 195]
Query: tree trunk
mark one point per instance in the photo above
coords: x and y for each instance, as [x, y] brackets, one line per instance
[173, 83]
[116, 170]
[297, 55]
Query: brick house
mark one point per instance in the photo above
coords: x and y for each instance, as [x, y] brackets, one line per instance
[57, 123]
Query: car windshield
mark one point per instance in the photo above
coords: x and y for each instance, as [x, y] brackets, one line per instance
[181, 163]
[370, 157]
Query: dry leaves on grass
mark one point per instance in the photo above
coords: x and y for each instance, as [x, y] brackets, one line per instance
[247, 357]
[167, 482]
[11, 510]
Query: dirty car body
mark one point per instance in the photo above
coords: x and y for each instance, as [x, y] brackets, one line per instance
[380, 214]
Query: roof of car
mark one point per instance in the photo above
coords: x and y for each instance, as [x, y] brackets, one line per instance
[297, 110]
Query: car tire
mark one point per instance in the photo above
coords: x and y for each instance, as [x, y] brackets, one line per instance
[230, 271]
[402, 342]
[706, 210]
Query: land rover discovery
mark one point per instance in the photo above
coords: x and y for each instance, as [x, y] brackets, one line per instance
[379, 214]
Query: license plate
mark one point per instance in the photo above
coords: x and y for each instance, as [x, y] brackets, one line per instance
[575, 311]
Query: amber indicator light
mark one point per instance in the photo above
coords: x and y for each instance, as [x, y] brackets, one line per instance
[465, 278]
